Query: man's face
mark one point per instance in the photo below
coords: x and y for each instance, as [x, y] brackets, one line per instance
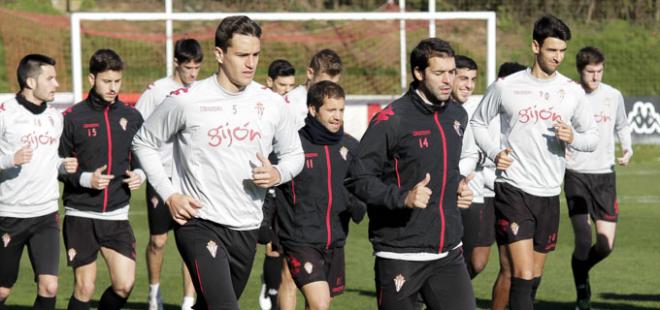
[330, 114]
[187, 72]
[45, 84]
[437, 78]
[549, 55]
[315, 77]
[239, 63]
[282, 84]
[107, 84]
[591, 76]
[463, 85]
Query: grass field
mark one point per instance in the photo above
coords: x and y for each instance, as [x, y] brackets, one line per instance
[628, 279]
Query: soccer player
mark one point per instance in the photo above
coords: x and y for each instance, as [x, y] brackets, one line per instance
[188, 57]
[99, 131]
[281, 77]
[324, 66]
[222, 128]
[407, 172]
[536, 107]
[30, 131]
[589, 182]
[314, 208]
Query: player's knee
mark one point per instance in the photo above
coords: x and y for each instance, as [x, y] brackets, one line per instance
[123, 289]
[320, 304]
[85, 289]
[479, 265]
[604, 249]
[4, 293]
[157, 243]
[48, 288]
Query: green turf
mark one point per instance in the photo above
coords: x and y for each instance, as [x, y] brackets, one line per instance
[628, 279]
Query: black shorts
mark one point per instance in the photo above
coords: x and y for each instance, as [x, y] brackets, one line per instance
[84, 237]
[308, 264]
[522, 216]
[479, 224]
[42, 237]
[443, 283]
[593, 194]
[160, 219]
[219, 259]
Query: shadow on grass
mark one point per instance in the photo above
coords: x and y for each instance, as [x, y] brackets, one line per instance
[362, 292]
[635, 297]
[553, 305]
[135, 305]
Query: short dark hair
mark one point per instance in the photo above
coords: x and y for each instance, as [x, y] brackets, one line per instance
[280, 67]
[105, 60]
[509, 68]
[238, 24]
[321, 90]
[425, 50]
[326, 61]
[464, 62]
[549, 26]
[588, 56]
[187, 50]
[30, 67]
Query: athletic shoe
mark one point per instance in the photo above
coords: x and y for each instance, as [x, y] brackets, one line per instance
[188, 303]
[264, 300]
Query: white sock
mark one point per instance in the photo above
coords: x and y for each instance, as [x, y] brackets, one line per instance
[187, 303]
[153, 290]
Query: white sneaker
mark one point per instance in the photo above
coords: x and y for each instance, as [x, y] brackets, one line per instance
[156, 303]
[188, 303]
[264, 301]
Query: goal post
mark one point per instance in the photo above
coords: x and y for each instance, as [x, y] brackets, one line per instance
[402, 17]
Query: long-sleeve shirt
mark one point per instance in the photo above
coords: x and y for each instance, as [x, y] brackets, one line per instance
[217, 135]
[528, 108]
[296, 101]
[31, 189]
[610, 115]
[151, 98]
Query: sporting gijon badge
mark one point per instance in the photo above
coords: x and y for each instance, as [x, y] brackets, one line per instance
[6, 238]
[212, 247]
[399, 280]
[71, 253]
[123, 123]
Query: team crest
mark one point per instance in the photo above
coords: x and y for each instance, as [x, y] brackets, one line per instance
[399, 280]
[308, 267]
[212, 247]
[343, 151]
[457, 128]
[6, 238]
[546, 96]
[260, 109]
[562, 94]
[514, 228]
[71, 253]
[154, 202]
[123, 122]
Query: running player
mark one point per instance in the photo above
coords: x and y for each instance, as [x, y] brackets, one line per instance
[99, 131]
[29, 164]
[281, 79]
[407, 172]
[188, 59]
[222, 128]
[324, 66]
[536, 107]
[589, 183]
[314, 208]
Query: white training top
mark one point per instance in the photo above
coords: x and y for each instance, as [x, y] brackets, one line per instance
[610, 115]
[29, 190]
[217, 135]
[528, 108]
[151, 98]
[296, 101]
[484, 175]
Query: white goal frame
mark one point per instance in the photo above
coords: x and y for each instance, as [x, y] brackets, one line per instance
[76, 18]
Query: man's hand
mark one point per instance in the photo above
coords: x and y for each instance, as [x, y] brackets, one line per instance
[419, 196]
[70, 164]
[502, 160]
[99, 180]
[625, 158]
[133, 180]
[265, 176]
[464, 193]
[563, 132]
[22, 156]
[182, 207]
